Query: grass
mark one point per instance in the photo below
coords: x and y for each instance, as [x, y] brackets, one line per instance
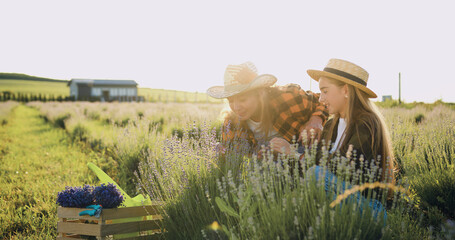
[34, 87]
[37, 160]
[251, 198]
[5, 110]
[257, 199]
[58, 88]
[410, 105]
[162, 95]
[125, 131]
[165, 117]
[426, 151]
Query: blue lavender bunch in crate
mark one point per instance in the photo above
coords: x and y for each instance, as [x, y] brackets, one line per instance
[108, 196]
[78, 197]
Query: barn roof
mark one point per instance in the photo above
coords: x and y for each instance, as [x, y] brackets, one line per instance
[100, 82]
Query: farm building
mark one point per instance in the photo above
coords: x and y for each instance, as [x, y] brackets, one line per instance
[386, 97]
[103, 90]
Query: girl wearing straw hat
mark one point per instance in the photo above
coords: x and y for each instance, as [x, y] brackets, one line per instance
[356, 120]
[356, 126]
[264, 114]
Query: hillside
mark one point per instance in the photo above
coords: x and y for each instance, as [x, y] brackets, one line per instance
[12, 82]
[21, 76]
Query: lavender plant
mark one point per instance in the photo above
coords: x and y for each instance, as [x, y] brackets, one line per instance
[183, 170]
[183, 173]
[199, 187]
[107, 195]
[78, 197]
[261, 198]
[426, 154]
[5, 110]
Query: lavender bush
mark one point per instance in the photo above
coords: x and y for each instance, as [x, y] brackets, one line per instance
[78, 197]
[426, 153]
[182, 173]
[5, 110]
[125, 132]
[264, 198]
[106, 195]
[185, 171]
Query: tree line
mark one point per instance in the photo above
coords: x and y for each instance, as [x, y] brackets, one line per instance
[21, 76]
[29, 97]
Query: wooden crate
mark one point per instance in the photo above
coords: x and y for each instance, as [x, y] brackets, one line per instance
[147, 223]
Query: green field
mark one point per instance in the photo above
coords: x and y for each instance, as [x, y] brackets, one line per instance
[59, 88]
[36, 161]
[162, 95]
[34, 87]
[45, 147]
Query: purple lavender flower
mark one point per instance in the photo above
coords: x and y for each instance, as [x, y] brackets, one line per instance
[107, 196]
[75, 196]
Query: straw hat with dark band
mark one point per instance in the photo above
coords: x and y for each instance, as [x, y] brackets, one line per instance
[346, 72]
[241, 78]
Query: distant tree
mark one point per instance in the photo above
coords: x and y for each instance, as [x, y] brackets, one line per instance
[21, 76]
[7, 95]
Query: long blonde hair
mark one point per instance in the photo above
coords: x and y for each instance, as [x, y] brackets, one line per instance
[361, 111]
[266, 115]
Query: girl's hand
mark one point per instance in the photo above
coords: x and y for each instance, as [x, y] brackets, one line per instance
[280, 145]
[314, 123]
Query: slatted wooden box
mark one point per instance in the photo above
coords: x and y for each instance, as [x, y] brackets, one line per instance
[143, 223]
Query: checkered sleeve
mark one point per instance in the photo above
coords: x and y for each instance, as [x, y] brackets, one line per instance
[294, 108]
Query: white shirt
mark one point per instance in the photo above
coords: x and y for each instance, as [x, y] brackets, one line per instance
[259, 134]
[340, 134]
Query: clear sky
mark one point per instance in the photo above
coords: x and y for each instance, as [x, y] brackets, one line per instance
[186, 45]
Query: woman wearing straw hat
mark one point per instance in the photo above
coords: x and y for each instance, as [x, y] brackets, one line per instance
[264, 114]
[356, 126]
[356, 120]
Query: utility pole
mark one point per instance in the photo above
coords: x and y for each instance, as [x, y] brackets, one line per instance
[399, 87]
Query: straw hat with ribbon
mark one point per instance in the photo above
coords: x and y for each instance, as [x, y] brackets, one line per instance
[241, 78]
[345, 71]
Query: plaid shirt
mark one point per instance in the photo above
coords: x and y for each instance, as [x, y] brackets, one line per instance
[291, 107]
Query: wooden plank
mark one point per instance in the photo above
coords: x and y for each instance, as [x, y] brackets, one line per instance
[77, 220]
[67, 238]
[129, 227]
[77, 236]
[102, 222]
[107, 214]
[71, 237]
[62, 234]
[79, 228]
[149, 237]
[117, 213]
[157, 217]
[64, 212]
